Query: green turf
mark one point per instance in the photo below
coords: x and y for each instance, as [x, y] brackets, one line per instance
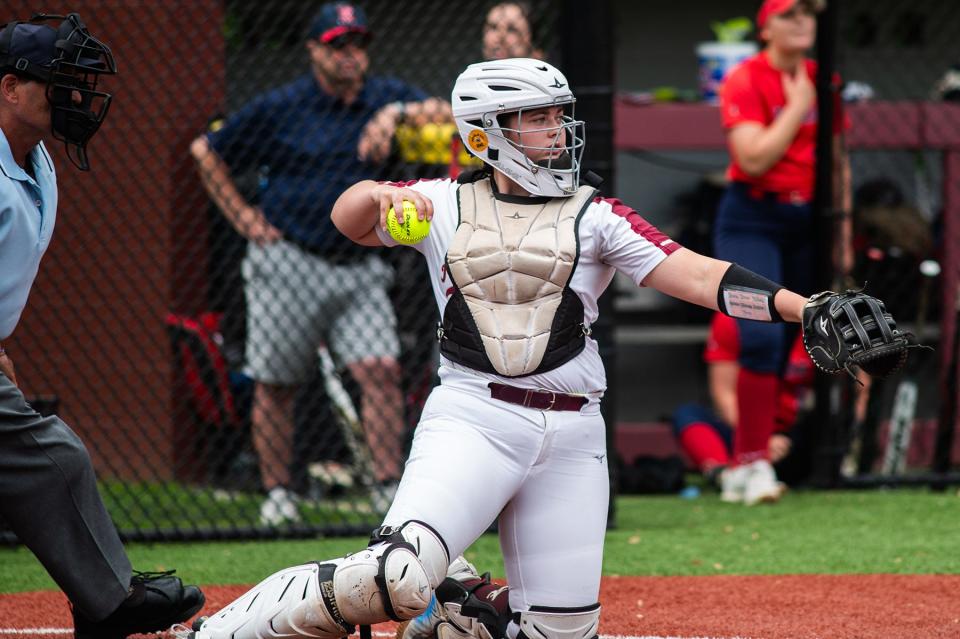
[162, 504]
[902, 531]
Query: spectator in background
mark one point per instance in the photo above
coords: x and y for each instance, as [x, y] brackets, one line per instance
[706, 436]
[508, 32]
[48, 489]
[305, 284]
[769, 110]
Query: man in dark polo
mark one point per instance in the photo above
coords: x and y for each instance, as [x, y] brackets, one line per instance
[305, 284]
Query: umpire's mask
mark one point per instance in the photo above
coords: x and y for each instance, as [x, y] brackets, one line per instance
[70, 61]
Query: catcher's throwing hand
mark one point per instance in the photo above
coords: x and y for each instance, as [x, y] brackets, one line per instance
[853, 328]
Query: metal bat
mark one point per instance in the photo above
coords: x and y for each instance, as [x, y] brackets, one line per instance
[349, 420]
[905, 399]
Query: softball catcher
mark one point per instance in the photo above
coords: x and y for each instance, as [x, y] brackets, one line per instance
[518, 255]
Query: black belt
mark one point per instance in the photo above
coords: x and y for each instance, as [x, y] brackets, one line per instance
[541, 400]
[349, 257]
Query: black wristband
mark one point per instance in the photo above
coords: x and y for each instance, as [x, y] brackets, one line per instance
[745, 295]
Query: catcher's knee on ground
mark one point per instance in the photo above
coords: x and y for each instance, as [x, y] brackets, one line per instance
[391, 579]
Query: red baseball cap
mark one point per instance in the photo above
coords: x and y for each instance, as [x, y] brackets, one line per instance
[776, 7]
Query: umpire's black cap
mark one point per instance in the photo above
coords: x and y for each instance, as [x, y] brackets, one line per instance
[31, 49]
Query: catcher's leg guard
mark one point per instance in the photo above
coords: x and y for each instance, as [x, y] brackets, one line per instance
[559, 623]
[294, 602]
[392, 579]
[404, 564]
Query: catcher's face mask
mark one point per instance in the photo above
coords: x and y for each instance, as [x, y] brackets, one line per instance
[70, 61]
[484, 98]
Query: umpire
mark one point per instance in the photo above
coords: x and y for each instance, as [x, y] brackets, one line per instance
[48, 490]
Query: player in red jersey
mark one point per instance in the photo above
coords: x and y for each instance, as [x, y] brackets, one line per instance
[765, 221]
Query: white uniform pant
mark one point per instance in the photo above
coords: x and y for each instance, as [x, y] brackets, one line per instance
[543, 473]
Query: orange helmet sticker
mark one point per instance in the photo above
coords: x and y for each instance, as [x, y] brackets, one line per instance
[477, 139]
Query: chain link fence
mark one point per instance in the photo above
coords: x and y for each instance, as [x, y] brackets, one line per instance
[198, 396]
[899, 63]
[235, 367]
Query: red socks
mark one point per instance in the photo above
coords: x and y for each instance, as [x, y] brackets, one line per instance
[757, 406]
[704, 446]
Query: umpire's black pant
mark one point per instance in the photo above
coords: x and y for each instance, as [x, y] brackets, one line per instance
[49, 497]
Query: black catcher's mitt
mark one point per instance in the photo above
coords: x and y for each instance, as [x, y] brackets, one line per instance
[853, 328]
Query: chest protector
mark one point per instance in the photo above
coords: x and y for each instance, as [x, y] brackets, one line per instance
[512, 311]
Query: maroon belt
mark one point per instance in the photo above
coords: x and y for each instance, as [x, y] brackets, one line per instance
[541, 400]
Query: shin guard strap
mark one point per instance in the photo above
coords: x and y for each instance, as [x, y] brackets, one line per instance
[325, 576]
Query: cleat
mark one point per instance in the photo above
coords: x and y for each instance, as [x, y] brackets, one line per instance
[157, 600]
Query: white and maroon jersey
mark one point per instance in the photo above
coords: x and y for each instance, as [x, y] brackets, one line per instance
[612, 237]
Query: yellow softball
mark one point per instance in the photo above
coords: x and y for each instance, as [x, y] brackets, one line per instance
[410, 229]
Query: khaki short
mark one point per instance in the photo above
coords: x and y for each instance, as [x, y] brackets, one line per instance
[297, 301]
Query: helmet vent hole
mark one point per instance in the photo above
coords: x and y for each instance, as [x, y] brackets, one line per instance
[503, 87]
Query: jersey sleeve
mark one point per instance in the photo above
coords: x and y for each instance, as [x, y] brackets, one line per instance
[740, 100]
[722, 341]
[628, 242]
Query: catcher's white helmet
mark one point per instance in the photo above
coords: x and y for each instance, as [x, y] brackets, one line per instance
[486, 91]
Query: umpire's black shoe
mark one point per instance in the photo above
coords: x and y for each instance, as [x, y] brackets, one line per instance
[157, 600]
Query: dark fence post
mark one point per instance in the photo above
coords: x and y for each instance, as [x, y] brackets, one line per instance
[586, 53]
[831, 412]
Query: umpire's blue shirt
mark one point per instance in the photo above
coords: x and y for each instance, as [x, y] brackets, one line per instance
[28, 211]
[303, 142]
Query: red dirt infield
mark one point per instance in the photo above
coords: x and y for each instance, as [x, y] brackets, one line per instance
[768, 607]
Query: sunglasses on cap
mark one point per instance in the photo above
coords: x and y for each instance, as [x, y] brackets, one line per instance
[352, 39]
